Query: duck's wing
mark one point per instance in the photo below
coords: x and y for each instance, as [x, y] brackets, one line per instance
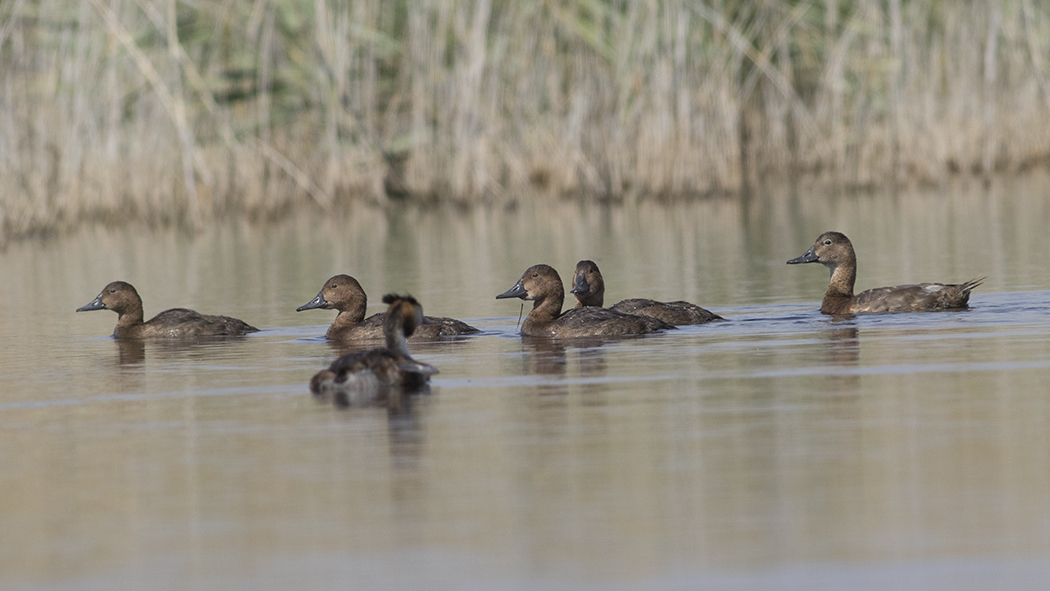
[439, 326]
[595, 322]
[677, 313]
[916, 297]
[186, 322]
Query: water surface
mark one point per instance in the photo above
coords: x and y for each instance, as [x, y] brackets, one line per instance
[780, 450]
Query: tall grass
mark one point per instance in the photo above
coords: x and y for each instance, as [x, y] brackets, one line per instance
[177, 112]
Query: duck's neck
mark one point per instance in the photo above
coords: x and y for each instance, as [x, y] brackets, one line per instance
[396, 342]
[590, 299]
[130, 316]
[394, 332]
[838, 298]
[842, 279]
[546, 309]
[347, 319]
[344, 321]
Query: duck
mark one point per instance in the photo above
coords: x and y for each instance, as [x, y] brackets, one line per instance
[345, 294]
[543, 285]
[835, 251]
[589, 288]
[122, 298]
[381, 372]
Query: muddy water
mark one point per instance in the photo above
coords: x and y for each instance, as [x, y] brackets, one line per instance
[780, 450]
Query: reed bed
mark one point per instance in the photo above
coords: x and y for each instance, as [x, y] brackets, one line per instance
[180, 112]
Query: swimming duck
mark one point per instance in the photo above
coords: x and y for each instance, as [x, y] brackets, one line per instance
[542, 284]
[835, 251]
[367, 376]
[589, 288]
[122, 298]
[345, 294]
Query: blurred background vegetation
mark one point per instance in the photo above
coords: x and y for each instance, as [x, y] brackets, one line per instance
[179, 112]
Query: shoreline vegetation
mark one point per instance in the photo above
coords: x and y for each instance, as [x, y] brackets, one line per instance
[174, 112]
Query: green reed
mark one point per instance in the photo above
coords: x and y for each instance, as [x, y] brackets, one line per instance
[178, 112]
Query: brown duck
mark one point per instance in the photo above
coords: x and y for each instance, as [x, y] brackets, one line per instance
[122, 298]
[381, 372]
[589, 287]
[542, 284]
[835, 251]
[344, 293]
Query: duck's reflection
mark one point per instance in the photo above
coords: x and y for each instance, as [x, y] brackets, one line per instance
[131, 357]
[551, 358]
[131, 352]
[844, 352]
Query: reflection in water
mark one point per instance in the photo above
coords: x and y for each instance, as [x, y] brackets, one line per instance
[844, 352]
[397, 400]
[133, 351]
[130, 351]
[545, 357]
[550, 357]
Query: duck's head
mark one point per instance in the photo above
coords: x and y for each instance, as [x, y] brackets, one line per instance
[118, 296]
[588, 284]
[340, 292]
[537, 283]
[831, 250]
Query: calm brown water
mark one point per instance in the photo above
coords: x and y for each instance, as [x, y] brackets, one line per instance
[781, 450]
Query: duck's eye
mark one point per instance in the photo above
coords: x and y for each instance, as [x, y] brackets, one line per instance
[827, 242]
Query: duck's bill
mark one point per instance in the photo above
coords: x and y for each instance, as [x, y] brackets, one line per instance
[809, 257]
[518, 291]
[96, 304]
[318, 302]
[580, 285]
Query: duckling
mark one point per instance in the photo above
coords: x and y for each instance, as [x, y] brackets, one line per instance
[542, 284]
[365, 377]
[589, 287]
[122, 298]
[345, 294]
[835, 251]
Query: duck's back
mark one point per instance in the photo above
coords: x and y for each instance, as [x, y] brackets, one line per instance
[358, 378]
[439, 326]
[370, 375]
[183, 322]
[916, 297]
[382, 364]
[432, 327]
[676, 313]
[594, 322]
